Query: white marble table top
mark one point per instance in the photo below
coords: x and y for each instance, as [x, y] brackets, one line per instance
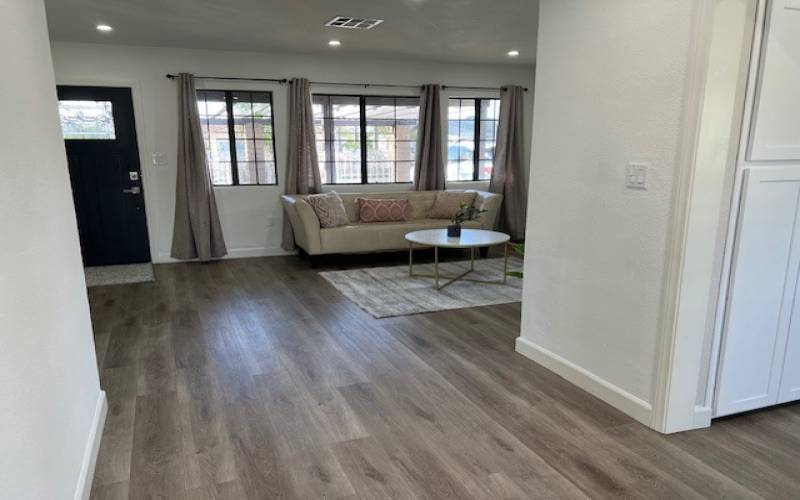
[470, 238]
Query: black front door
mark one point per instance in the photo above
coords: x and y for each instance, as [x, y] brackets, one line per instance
[100, 136]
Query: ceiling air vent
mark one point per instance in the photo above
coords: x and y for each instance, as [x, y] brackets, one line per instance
[353, 23]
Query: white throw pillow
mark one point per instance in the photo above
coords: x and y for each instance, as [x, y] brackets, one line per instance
[329, 209]
[447, 204]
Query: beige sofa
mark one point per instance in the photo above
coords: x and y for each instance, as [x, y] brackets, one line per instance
[357, 237]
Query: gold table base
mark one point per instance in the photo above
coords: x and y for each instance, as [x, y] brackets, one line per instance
[452, 279]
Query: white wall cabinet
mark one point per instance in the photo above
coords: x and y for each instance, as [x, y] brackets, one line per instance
[776, 126]
[760, 357]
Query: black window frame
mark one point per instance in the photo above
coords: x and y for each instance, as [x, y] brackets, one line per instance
[363, 141]
[476, 139]
[232, 135]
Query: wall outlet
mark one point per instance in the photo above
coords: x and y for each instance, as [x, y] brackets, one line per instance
[636, 175]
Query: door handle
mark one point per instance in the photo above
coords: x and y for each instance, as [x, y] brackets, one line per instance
[133, 190]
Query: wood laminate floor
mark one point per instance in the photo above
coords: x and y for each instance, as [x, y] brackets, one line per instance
[256, 379]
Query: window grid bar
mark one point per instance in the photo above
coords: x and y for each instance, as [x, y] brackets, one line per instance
[476, 151]
[327, 125]
[232, 138]
[362, 101]
[253, 139]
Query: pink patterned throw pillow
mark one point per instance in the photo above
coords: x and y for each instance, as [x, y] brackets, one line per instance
[383, 210]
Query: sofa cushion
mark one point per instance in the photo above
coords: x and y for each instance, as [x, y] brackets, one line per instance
[363, 237]
[383, 210]
[329, 209]
[421, 203]
[447, 204]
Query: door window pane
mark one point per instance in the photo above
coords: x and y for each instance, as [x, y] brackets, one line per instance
[87, 120]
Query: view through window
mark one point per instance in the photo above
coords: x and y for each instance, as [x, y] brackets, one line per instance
[471, 138]
[87, 120]
[238, 135]
[366, 139]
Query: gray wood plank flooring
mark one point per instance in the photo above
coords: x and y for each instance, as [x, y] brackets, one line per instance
[255, 379]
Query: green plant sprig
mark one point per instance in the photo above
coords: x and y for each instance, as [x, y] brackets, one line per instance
[466, 213]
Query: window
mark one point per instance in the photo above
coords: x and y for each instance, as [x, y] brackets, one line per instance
[238, 136]
[472, 138]
[366, 139]
[87, 120]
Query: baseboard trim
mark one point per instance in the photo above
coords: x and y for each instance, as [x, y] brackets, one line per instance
[618, 398]
[702, 416]
[236, 253]
[84, 487]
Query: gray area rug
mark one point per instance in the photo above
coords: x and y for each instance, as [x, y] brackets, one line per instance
[389, 291]
[118, 275]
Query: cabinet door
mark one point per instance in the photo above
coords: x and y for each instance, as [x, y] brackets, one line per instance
[761, 298]
[776, 116]
[790, 376]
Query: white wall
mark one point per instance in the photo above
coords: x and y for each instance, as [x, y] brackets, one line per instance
[610, 89]
[50, 398]
[251, 216]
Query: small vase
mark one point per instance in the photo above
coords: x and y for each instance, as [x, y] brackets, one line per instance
[454, 231]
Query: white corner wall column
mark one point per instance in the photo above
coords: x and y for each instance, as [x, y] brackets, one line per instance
[702, 204]
[52, 410]
[644, 348]
[596, 260]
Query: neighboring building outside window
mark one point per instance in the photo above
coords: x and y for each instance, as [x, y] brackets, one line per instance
[366, 139]
[87, 120]
[471, 138]
[238, 133]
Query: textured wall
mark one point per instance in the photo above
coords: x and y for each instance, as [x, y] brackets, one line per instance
[609, 90]
[49, 387]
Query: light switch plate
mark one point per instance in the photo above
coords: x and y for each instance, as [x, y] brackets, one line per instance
[792, 5]
[159, 159]
[636, 175]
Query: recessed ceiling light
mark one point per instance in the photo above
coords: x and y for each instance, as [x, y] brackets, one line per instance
[513, 53]
[104, 27]
[334, 43]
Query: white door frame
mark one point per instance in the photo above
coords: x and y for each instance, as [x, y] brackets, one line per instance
[145, 165]
[692, 297]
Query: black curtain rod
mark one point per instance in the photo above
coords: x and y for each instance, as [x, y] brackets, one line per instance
[341, 84]
[274, 80]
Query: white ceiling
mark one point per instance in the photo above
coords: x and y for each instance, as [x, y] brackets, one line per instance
[441, 30]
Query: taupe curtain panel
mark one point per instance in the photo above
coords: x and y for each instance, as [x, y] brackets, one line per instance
[302, 175]
[197, 232]
[429, 169]
[507, 178]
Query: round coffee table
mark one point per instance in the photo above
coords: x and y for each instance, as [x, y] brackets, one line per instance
[470, 238]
